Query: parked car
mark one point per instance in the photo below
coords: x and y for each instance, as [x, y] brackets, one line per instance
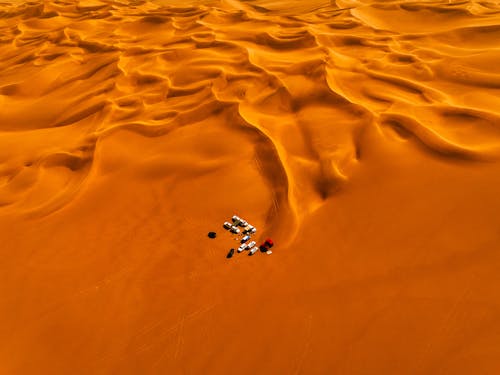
[269, 242]
[266, 245]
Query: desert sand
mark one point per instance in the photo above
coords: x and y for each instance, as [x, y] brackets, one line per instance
[362, 136]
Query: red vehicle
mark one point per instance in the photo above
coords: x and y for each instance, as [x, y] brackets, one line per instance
[266, 245]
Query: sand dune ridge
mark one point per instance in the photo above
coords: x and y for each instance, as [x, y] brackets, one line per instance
[187, 63]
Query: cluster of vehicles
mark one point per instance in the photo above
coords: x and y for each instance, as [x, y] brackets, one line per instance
[239, 222]
[239, 226]
[248, 245]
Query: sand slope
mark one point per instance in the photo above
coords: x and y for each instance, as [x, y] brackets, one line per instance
[363, 136]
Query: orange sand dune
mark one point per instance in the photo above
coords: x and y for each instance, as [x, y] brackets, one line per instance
[363, 136]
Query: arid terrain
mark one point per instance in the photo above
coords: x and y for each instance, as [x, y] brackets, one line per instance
[362, 136]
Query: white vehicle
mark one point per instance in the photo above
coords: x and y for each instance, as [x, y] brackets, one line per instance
[235, 230]
[250, 229]
[254, 250]
[243, 223]
[251, 244]
[242, 247]
[245, 239]
[227, 225]
[236, 220]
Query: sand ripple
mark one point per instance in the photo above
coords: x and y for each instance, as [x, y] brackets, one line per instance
[304, 82]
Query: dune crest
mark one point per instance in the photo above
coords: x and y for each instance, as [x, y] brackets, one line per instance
[153, 67]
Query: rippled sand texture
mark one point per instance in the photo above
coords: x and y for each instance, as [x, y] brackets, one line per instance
[363, 136]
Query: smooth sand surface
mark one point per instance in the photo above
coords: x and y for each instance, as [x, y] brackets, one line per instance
[362, 136]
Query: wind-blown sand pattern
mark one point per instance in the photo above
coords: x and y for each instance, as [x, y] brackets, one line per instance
[363, 136]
